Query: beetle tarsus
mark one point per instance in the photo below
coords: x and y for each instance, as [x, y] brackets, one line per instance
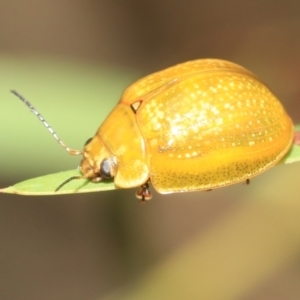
[143, 193]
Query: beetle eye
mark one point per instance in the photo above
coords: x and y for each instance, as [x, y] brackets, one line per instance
[87, 141]
[105, 168]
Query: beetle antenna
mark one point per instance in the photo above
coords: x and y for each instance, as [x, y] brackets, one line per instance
[67, 181]
[50, 129]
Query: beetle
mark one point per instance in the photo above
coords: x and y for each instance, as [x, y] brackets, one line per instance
[198, 125]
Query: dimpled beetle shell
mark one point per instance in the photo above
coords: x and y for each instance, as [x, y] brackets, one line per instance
[198, 125]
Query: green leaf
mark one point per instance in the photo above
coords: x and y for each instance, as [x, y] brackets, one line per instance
[46, 185]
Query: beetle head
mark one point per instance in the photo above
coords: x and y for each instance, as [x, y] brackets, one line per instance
[97, 163]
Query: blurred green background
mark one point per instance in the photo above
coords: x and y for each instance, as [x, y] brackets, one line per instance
[73, 59]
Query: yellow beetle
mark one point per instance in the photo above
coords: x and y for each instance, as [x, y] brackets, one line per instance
[195, 126]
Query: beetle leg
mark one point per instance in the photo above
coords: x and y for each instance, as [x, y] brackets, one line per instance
[143, 193]
[297, 138]
[247, 181]
[96, 179]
